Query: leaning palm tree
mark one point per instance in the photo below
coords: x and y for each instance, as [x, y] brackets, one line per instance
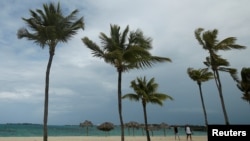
[208, 40]
[48, 27]
[200, 75]
[124, 51]
[147, 93]
[244, 83]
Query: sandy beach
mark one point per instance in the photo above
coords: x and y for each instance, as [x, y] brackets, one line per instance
[102, 138]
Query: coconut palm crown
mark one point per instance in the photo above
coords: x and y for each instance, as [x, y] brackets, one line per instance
[200, 75]
[49, 26]
[124, 50]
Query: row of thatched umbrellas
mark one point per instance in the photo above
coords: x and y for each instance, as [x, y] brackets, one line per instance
[108, 126]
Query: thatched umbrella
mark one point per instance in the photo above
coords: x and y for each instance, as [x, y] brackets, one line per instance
[153, 127]
[164, 126]
[133, 125]
[106, 126]
[86, 124]
[142, 126]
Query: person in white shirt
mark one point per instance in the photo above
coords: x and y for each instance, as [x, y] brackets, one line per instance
[188, 132]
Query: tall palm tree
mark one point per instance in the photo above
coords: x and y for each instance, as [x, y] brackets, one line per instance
[208, 40]
[244, 83]
[200, 75]
[48, 27]
[124, 51]
[147, 93]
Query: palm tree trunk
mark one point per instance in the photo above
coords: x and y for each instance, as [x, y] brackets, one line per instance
[218, 84]
[203, 106]
[46, 101]
[146, 121]
[120, 103]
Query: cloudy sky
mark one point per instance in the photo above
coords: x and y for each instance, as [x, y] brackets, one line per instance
[85, 88]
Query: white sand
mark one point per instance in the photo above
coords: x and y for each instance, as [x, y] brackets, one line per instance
[102, 138]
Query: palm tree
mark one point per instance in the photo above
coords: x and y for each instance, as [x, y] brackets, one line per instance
[48, 27]
[200, 75]
[124, 51]
[244, 83]
[147, 93]
[208, 40]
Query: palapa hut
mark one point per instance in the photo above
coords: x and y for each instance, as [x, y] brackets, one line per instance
[106, 126]
[86, 124]
[164, 126]
[132, 124]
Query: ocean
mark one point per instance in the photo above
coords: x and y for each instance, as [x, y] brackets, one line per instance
[31, 130]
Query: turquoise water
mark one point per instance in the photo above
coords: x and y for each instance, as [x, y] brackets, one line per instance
[29, 130]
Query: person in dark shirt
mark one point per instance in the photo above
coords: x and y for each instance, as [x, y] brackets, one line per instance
[176, 132]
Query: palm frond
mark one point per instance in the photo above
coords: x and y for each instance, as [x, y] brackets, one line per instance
[198, 36]
[149, 61]
[245, 74]
[215, 61]
[131, 96]
[123, 37]
[96, 51]
[228, 44]
[246, 97]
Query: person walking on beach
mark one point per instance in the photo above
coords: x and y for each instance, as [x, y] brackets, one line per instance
[176, 132]
[188, 132]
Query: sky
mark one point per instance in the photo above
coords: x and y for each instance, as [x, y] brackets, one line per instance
[83, 87]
